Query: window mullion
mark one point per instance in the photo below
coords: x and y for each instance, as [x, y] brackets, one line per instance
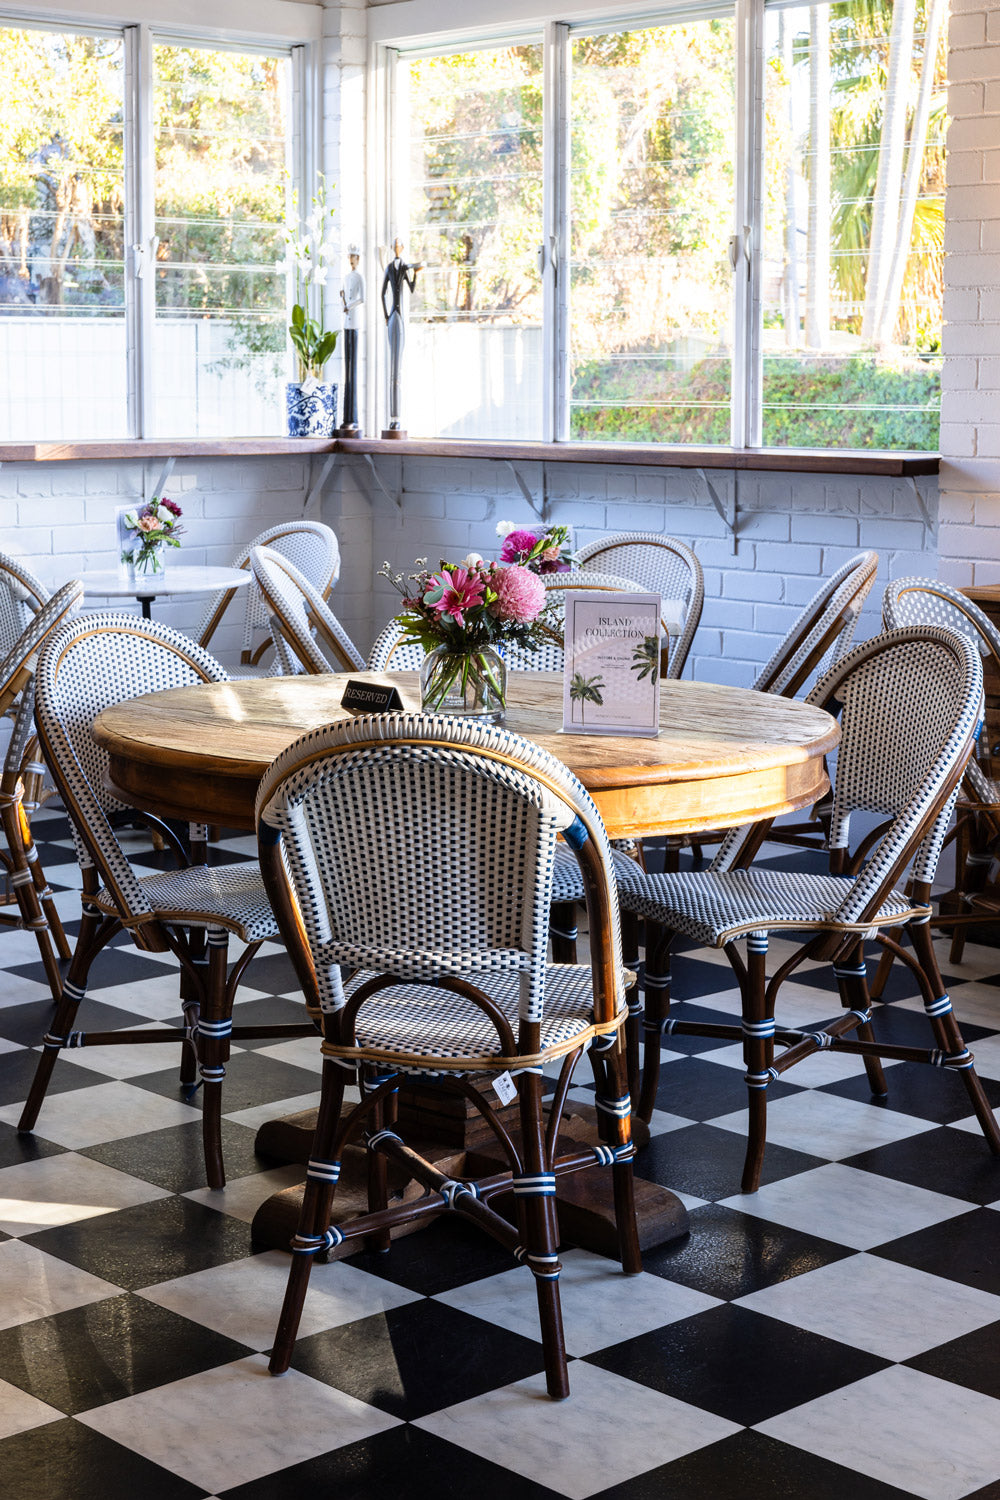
[140, 245]
[748, 227]
[556, 234]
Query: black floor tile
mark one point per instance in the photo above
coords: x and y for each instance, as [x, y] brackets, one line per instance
[694, 979]
[750, 1466]
[737, 1363]
[402, 1464]
[966, 1249]
[152, 1242]
[708, 1162]
[274, 1010]
[973, 1360]
[68, 1461]
[701, 1090]
[108, 1350]
[15, 1148]
[17, 1073]
[916, 1089]
[250, 1080]
[730, 1254]
[113, 965]
[954, 1162]
[417, 1359]
[174, 1158]
[445, 1255]
[27, 1024]
[274, 974]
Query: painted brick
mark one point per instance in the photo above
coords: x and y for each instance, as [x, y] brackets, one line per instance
[789, 557]
[976, 63]
[751, 585]
[967, 30]
[963, 238]
[987, 510]
[730, 613]
[958, 439]
[959, 375]
[956, 510]
[965, 169]
[988, 440]
[774, 619]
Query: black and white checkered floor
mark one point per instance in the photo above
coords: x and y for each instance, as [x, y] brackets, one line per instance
[838, 1334]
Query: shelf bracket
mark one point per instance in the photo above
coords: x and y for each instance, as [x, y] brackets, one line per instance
[316, 488]
[541, 511]
[928, 517]
[161, 481]
[397, 498]
[705, 487]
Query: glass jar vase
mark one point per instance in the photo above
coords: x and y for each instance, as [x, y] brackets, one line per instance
[466, 683]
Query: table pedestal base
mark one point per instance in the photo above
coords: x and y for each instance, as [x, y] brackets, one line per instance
[586, 1213]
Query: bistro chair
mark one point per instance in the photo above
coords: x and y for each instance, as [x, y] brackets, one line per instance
[25, 876]
[391, 653]
[663, 565]
[909, 703]
[314, 550]
[924, 601]
[409, 863]
[21, 597]
[90, 663]
[304, 628]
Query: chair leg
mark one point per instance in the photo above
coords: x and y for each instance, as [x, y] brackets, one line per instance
[215, 1028]
[758, 1052]
[614, 1112]
[852, 981]
[656, 996]
[563, 931]
[536, 1190]
[949, 1037]
[314, 1220]
[94, 933]
[884, 965]
[383, 1116]
[24, 883]
[631, 949]
[972, 845]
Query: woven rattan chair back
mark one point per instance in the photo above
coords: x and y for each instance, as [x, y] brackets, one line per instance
[416, 853]
[549, 656]
[94, 661]
[35, 903]
[301, 622]
[661, 564]
[391, 653]
[823, 632]
[21, 596]
[314, 550]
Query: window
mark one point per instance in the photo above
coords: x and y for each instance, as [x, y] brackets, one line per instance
[642, 254]
[128, 310]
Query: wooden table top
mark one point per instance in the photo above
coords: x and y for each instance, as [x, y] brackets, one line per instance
[724, 755]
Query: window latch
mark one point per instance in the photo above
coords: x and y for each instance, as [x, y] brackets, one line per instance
[739, 247]
[139, 252]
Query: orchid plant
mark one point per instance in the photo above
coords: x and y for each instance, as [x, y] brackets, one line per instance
[542, 551]
[308, 254]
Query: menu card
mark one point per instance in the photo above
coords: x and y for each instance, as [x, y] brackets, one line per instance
[612, 664]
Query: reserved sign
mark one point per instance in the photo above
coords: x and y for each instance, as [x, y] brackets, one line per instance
[370, 698]
[612, 663]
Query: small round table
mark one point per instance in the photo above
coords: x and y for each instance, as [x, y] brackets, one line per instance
[184, 578]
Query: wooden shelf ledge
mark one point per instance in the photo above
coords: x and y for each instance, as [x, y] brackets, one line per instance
[645, 455]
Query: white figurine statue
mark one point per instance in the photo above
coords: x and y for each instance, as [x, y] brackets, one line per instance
[352, 295]
[397, 276]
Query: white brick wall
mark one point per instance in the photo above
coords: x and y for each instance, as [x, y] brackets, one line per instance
[969, 541]
[793, 531]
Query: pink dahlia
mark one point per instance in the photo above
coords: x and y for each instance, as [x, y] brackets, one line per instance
[517, 545]
[520, 594]
[453, 591]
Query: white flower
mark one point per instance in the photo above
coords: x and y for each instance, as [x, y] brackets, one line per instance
[472, 561]
[504, 528]
[313, 222]
[319, 275]
[328, 250]
[284, 265]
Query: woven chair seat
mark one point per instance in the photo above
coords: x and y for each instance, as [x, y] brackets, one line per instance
[425, 1029]
[230, 896]
[713, 907]
[567, 882]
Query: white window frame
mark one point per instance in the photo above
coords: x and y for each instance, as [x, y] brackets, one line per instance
[412, 27]
[139, 38]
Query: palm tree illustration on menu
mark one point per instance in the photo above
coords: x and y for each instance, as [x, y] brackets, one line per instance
[584, 690]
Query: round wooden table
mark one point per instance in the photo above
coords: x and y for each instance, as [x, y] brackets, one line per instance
[724, 755]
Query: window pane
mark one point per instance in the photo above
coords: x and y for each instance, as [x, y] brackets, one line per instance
[62, 322]
[222, 141]
[854, 225]
[473, 362]
[653, 146]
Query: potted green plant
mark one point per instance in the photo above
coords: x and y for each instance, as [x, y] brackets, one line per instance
[311, 401]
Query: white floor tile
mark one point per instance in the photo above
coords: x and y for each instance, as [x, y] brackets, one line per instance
[123, 1060]
[64, 1189]
[921, 1434]
[889, 1309]
[298, 1052]
[242, 1196]
[21, 948]
[35, 1285]
[848, 1206]
[254, 1420]
[259, 1115]
[975, 1004]
[601, 1306]
[106, 1112]
[972, 1126]
[828, 1126]
[242, 1298]
[608, 1431]
[986, 1051]
[20, 1412]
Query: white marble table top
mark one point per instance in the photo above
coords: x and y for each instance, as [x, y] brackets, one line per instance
[184, 578]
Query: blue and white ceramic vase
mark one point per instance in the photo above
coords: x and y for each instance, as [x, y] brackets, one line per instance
[312, 408]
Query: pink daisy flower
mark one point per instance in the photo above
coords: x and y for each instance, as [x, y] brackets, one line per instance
[517, 545]
[520, 594]
[452, 592]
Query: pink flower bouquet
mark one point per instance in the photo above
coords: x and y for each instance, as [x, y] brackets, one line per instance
[147, 528]
[542, 551]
